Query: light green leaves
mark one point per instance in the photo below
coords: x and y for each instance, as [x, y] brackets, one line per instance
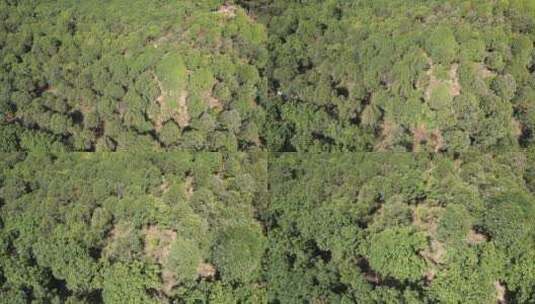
[394, 253]
[184, 258]
[238, 251]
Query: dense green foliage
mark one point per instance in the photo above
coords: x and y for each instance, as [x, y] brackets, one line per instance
[131, 228]
[215, 75]
[401, 228]
[208, 227]
[219, 114]
[417, 75]
[129, 75]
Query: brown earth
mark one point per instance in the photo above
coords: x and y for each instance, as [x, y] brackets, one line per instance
[158, 242]
[425, 218]
[419, 135]
[484, 72]
[188, 187]
[500, 292]
[213, 103]
[452, 82]
[475, 237]
[227, 10]
[180, 114]
[433, 81]
[164, 187]
[389, 131]
[206, 270]
[455, 87]
[437, 141]
[435, 252]
[517, 127]
[157, 246]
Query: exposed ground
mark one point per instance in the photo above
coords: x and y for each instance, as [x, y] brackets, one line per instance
[475, 237]
[227, 10]
[433, 81]
[389, 131]
[158, 243]
[500, 292]
[179, 114]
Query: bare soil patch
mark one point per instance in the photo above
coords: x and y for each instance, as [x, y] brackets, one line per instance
[189, 187]
[169, 281]
[206, 270]
[421, 135]
[164, 187]
[158, 242]
[163, 39]
[455, 87]
[227, 10]
[517, 127]
[389, 131]
[484, 72]
[500, 292]
[179, 114]
[433, 81]
[453, 81]
[426, 219]
[157, 246]
[213, 103]
[435, 252]
[437, 141]
[429, 276]
[475, 237]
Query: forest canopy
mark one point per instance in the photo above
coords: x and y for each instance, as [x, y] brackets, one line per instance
[401, 228]
[267, 151]
[131, 228]
[130, 75]
[182, 227]
[214, 75]
[401, 75]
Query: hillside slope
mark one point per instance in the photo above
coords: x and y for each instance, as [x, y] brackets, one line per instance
[401, 75]
[130, 75]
